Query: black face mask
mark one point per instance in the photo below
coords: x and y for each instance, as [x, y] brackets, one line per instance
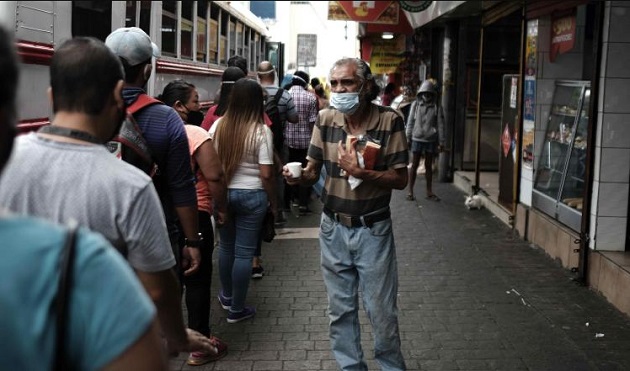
[194, 118]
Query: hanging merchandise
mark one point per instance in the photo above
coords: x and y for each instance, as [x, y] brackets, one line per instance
[506, 140]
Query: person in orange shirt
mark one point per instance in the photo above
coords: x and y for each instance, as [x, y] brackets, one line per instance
[184, 98]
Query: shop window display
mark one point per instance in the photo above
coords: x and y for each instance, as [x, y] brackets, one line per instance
[559, 182]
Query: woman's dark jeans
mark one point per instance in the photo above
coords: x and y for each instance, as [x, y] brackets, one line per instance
[198, 284]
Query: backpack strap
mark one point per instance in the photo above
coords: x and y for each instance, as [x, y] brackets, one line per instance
[277, 130]
[62, 299]
[143, 100]
[132, 136]
[278, 95]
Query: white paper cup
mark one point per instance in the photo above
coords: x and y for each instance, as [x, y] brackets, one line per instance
[295, 168]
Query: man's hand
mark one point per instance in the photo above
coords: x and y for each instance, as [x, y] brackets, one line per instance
[348, 160]
[191, 260]
[196, 342]
[220, 217]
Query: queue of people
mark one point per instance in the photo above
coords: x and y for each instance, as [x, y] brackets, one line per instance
[226, 168]
[112, 320]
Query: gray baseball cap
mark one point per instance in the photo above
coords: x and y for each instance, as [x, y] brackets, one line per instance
[132, 44]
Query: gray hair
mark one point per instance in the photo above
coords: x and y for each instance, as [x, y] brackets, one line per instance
[362, 72]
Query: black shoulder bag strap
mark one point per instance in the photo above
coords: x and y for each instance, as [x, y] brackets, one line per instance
[63, 298]
[278, 95]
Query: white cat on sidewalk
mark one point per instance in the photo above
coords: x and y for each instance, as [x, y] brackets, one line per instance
[473, 202]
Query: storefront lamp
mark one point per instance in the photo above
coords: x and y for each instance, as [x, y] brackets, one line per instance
[387, 36]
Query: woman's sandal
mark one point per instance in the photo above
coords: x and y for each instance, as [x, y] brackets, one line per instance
[411, 198]
[201, 358]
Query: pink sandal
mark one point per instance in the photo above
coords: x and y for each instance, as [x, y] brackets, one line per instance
[201, 358]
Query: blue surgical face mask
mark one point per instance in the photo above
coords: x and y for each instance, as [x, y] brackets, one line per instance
[345, 102]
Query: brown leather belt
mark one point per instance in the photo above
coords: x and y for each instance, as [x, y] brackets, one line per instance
[357, 221]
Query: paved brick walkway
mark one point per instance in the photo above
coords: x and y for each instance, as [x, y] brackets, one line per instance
[472, 296]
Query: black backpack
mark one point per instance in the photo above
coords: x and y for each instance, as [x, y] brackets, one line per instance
[277, 126]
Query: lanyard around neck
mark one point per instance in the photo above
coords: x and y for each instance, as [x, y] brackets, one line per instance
[70, 133]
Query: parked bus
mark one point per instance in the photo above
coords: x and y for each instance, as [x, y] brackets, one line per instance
[196, 38]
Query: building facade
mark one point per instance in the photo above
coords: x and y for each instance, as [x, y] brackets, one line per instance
[535, 95]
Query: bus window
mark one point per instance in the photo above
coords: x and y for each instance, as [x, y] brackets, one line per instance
[186, 30]
[169, 28]
[214, 34]
[131, 14]
[232, 39]
[223, 52]
[239, 39]
[145, 16]
[202, 31]
[246, 50]
[92, 18]
[257, 54]
[138, 14]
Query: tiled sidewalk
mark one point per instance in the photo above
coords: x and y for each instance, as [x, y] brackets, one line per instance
[472, 296]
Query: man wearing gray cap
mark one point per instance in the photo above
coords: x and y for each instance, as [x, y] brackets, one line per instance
[164, 132]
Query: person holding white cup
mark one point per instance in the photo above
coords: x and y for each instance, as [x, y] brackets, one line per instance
[356, 236]
[295, 168]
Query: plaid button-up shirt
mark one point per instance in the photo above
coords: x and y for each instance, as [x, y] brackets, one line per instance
[298, 135]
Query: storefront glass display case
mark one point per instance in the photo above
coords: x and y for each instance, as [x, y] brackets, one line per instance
[559, 178]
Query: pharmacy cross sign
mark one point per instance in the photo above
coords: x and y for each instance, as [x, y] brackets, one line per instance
[364, 11]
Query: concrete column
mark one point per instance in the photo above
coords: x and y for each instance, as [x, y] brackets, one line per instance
[449, 94]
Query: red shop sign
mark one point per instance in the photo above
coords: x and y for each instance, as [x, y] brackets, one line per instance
[562, 34]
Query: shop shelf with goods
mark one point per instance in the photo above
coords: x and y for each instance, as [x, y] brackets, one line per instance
[559, 179]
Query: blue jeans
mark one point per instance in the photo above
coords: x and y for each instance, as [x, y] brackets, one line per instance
[363, 259]
[239, 236]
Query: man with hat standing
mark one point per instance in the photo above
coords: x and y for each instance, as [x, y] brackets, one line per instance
[164, 132]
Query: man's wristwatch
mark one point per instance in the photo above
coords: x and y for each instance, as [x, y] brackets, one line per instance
[193, 243]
